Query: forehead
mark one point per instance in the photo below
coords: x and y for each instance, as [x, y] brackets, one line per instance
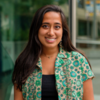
[52, 17]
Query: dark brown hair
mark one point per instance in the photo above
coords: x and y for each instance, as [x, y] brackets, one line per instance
[26, 62]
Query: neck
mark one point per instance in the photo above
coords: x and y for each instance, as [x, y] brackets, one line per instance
[50, 51]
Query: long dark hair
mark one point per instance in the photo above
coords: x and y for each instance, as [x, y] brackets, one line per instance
[26, 62]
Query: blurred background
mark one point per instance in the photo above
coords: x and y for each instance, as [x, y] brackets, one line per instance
[15, 20]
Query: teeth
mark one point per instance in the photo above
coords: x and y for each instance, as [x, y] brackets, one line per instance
[50, 39]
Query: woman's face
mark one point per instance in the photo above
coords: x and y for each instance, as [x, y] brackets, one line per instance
[51, 31]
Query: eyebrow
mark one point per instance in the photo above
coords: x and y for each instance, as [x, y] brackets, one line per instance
[48, 23]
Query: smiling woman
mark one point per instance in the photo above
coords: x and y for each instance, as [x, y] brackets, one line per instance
[50, 32]
[50, 67]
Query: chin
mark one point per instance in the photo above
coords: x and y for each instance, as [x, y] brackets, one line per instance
[51, 46]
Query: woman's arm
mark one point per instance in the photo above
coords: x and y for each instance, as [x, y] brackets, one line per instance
[17, 93]
[88, 90]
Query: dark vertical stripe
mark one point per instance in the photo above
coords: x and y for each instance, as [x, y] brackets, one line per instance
[70, 17]
[0, 44]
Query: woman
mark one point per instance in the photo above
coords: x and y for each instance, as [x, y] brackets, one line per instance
[50, 67]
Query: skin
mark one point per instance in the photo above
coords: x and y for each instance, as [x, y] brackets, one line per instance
[17, 93]
[52, 28]
[88, 90]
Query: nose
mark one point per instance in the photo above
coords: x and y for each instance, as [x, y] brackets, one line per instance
[51, 31]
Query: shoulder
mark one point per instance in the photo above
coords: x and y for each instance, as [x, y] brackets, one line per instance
[76, 57]
[69, 54]
[74, 54]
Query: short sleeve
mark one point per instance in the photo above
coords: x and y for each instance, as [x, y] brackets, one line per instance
[86, 70]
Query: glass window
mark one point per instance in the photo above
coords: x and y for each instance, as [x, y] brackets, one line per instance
[80, 3]
[99, 29]
[84, 28]
[15, 20]
[88, 37]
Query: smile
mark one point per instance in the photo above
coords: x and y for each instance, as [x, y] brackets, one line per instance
[50, 40]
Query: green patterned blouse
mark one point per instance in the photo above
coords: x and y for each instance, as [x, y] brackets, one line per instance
[71, 70]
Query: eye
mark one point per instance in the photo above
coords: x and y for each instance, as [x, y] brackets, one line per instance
[57, 27]
[45, 26]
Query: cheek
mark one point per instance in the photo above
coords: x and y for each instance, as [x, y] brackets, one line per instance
[60, 33]
[41, 35]
[42, 32]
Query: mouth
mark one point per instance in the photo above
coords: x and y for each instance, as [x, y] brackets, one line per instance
[50, 39]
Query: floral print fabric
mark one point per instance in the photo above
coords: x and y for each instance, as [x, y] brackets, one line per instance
[71, 70]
